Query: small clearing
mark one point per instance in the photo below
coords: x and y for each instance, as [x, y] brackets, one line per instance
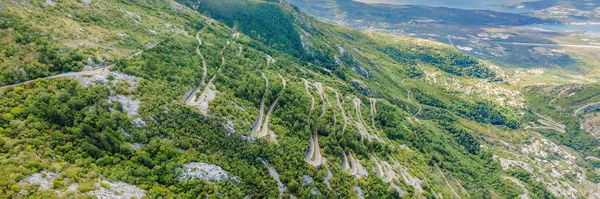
[270, 60]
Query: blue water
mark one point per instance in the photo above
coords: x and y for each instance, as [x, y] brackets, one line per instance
[460, 4]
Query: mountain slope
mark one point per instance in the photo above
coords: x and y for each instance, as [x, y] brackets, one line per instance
[210, 111]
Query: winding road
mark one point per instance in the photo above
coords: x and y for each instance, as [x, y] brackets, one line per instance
[337, 97]
[345, 164]
[383, 170]
[191, 98]
[312, 104]
[328, 176]
[353, 166]
[258, 122]
[361, 127]
[265, 127]
[313, 154]
[204, 67]
[321, 93]
[373, 103]
[208, 93]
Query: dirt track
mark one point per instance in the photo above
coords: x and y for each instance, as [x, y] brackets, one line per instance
[91, 72]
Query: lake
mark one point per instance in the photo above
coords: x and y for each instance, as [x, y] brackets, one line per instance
[460, 4]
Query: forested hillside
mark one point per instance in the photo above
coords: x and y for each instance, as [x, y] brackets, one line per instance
[246, 99]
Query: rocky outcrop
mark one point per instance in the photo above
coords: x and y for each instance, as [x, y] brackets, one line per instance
[117, 190]
[204, 172]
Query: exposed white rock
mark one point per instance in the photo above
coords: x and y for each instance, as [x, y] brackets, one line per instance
[591, 124]
[337, 60]
[229, 127]
[138, 122]
[536, 71]
[130, 106]
[136, 17]
[307, 180]
[50, 3]
[315, 191]
[102, 77]
[508, 164]
[525, 194]
[118, 190]
[71, 188]
[137, 146]
[205, 172]
[115, 190]
[44, 180]
[270, 60]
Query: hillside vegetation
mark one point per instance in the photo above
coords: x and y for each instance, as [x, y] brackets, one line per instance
[208, 99]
